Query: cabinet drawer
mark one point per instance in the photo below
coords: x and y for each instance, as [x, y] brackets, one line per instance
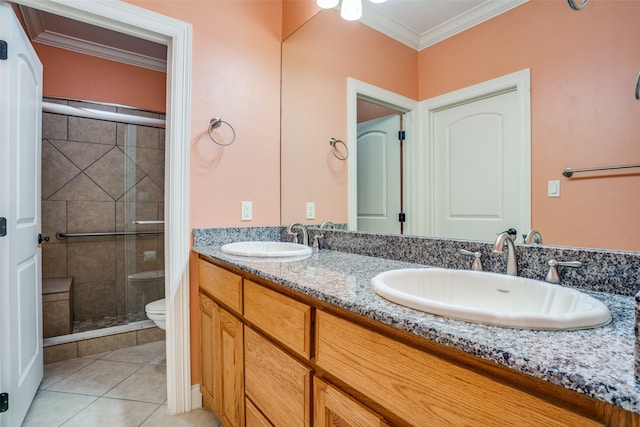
[221, 284]
[253, 417]
[334, 408]
[423, 389]
[276, 383]
[281, 317]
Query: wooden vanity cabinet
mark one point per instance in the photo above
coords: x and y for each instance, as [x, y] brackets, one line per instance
[278, 385]
[273, 358]
[221, 344]
[424, 389]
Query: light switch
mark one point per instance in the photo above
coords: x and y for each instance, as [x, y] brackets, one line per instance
[311, 210]
[553, 188]
[247, 211]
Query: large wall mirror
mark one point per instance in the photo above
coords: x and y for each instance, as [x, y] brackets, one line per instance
[583, 69]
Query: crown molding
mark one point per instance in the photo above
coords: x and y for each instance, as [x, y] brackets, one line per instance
[38, 32]
[396, 30]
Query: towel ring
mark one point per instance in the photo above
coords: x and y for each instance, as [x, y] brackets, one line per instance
[215, 123]
[333, 142]
[577, 6]
[638, 88]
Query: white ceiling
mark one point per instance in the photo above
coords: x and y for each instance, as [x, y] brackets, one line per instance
[416, 23]
[422, 23]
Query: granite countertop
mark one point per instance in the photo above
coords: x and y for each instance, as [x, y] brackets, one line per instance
[596, 362]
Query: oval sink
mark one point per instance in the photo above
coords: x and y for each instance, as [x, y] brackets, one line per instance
[491, 298]
[266, 249]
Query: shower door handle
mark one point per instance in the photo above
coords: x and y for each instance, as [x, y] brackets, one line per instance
[147, 222]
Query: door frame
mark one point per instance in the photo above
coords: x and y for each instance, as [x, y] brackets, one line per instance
[177, 36]
[520, 81]
[359, 89]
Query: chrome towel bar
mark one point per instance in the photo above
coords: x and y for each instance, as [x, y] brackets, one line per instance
[568, 172]
[61, 234]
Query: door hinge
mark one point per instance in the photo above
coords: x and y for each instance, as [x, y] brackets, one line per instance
[401, 217]
[3, 227]
[4, 54]
[4, 402]
[401, 135]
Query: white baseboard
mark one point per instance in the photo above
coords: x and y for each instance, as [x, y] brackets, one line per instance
[196, 397]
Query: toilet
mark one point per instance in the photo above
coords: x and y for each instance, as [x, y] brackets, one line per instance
[149, 285]
[157, 311]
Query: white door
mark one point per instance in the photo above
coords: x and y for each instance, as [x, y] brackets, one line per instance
[21, 359]
[379, 175]
[477, 192]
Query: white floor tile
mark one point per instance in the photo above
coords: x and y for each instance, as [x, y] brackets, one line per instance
[97, 378]
[106, 412]
[54, 372]
[143, 353]
[52, 409]
[149, 384]
[195, 418]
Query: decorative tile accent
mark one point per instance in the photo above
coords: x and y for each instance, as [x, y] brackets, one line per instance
[80, 153]
[81, 188]
[57, 169]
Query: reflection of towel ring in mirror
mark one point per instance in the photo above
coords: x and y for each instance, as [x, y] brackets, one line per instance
[215, 123]
[638, 88]
[333, 142]
[578, 6]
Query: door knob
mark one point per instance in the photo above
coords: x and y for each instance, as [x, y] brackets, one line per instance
[42, 238]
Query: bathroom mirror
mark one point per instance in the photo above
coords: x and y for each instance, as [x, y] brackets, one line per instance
[583, 71]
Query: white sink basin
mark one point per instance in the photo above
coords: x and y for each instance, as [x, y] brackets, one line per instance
[266, 249]
[490, 298]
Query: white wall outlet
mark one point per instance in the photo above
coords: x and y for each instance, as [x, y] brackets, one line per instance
[311, 210]
[553, 188]
[247, 211]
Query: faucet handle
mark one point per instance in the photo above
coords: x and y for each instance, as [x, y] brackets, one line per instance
[552, 274]
[316, 241]
[477, 264]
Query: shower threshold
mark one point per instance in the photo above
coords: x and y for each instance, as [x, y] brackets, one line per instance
[97, 333]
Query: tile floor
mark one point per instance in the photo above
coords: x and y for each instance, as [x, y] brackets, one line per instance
[119, 388]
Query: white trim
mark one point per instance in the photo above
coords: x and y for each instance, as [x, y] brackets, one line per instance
[196, 397]
[139, 22]
[398, 31]
[424, 192]
[358, 89]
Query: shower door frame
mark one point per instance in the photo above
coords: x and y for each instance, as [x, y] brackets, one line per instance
[176, 35]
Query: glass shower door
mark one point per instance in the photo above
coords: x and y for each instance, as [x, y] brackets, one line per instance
[143, 218]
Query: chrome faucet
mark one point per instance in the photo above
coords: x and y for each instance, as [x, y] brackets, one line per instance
[533, 236]
[506, 238]
[303, 229]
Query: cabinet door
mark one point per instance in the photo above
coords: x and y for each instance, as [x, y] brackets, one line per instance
[277, 384]
[208, 310]
[229, 360]
[333, 408]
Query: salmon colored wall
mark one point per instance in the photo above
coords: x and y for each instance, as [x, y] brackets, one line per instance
[295, 13]
[74, 75]
[316, 61]
[235, 76]
[584, 67]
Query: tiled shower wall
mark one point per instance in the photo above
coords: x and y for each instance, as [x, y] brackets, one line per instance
[84, 162]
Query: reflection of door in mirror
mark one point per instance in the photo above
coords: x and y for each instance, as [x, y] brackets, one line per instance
[379, 175]
[476, 159]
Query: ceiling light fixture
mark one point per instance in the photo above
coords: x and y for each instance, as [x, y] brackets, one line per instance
[351, 10]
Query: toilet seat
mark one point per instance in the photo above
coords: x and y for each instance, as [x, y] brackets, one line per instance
[156, 307]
